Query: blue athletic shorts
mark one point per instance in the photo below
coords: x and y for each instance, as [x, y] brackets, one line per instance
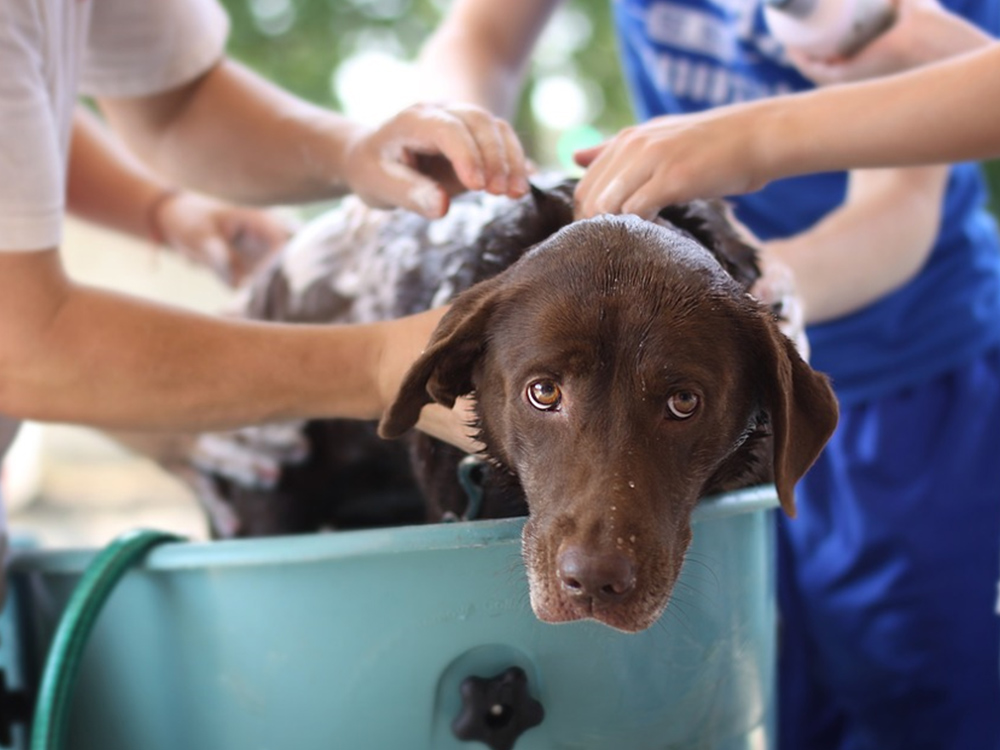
[889, 636]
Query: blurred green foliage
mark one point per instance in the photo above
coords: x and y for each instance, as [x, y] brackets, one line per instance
[300, 43]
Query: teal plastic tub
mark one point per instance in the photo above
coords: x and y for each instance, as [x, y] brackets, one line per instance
[367, 640]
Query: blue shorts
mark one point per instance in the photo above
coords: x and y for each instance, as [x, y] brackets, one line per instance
[888, 577]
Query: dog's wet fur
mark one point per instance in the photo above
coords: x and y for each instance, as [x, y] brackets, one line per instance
[620, 371]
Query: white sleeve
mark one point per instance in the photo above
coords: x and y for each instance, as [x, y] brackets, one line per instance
[32, 177]
[145, 47]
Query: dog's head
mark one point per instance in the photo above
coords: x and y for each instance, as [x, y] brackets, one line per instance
[619, 371]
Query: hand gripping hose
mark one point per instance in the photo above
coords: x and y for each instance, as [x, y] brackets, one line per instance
[48, 730]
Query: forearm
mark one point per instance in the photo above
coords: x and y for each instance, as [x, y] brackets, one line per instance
[940, 113]
[873, 244]
[480, 52]
[105, 184]
[74, 354]
[475, 80]
[232, 134]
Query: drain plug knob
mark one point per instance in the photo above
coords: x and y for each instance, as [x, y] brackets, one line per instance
[497, 710]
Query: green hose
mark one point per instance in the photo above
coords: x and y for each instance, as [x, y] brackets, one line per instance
[48, 730]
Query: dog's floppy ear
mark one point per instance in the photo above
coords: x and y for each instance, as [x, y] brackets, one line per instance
[554, 205]
[802, 410]
[444, 371]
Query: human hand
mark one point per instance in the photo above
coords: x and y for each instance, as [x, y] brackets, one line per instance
[428, 153]
[232, 241]
[672, 159]
[923, 32]
[776, 289]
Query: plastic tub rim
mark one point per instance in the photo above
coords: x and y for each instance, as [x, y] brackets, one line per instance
[351, 544]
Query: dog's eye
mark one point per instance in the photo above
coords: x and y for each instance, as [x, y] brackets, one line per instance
[544, 395]
[683, 404]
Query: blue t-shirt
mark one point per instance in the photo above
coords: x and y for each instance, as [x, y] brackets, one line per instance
[690, 55]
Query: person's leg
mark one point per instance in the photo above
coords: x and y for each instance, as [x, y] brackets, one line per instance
[808, 715]
[894, 559]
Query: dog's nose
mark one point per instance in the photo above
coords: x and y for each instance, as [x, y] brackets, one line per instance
[604, 576]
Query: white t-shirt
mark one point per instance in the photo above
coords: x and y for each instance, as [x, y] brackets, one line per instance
[52, 51]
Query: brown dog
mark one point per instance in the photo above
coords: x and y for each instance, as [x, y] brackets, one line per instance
[620, 370]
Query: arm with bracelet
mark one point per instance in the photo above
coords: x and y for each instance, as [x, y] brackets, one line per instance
[108, 186]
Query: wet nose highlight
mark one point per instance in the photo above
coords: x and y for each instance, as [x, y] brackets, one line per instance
[602, 576]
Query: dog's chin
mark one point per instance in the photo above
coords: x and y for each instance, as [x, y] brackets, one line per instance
[553, 604]
[626, 618]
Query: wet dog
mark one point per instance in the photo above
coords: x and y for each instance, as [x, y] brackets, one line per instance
[620, 371]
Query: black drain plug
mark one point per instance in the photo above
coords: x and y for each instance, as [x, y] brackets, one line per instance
[497, 710]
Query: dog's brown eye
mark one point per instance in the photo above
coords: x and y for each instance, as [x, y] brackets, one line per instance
[544, 395]
[683, 404]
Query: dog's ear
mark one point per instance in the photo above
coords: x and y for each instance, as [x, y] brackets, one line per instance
[444, 371]
[554, 205]
[801, 407]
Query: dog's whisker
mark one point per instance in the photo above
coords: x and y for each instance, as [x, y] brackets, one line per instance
[706, 600]
[524, 598]
[684, 604]
[678, 615]
[706, 589]
[695, 566]
[696, 596]
[688, 604]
